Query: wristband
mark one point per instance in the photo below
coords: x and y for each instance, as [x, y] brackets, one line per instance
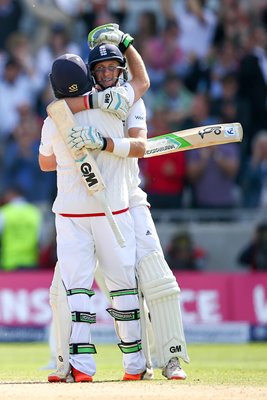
[105, 142]
[125, 43]
[86, 102]
[121, 147]
[93, 100]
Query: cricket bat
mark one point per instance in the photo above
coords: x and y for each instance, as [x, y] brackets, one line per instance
[85, 163]
[194, 138]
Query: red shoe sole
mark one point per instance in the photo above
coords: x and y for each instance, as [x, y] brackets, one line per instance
[80, 376]
[132, 377]
[55, 379]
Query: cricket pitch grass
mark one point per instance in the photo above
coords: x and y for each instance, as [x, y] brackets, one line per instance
[216, 372]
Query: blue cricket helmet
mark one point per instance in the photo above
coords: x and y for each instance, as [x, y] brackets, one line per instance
[69, 76]
[104, 52]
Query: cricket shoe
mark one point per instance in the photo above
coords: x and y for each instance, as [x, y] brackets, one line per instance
[173, 370]
[60, 375]
[79, 376]
[148, 374]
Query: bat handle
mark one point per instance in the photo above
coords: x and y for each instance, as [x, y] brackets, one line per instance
[113, 224]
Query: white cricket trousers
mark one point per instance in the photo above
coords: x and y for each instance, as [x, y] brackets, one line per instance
[80, 241]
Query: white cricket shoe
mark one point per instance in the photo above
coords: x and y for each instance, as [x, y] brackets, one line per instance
[173, 370]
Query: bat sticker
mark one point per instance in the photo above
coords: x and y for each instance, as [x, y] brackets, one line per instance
[210, 129]
[229, 131]
[88, 174]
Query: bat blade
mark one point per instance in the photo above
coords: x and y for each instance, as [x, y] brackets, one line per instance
[194, 138]
[85, 162]
[64, 121]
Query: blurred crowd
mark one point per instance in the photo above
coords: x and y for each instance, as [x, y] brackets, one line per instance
[207, 62]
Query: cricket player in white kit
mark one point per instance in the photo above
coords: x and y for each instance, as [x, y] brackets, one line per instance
[156, 280]
[83, 233]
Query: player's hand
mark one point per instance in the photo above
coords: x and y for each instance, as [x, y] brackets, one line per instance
[110, 33]
[113, 100]
[85, 136]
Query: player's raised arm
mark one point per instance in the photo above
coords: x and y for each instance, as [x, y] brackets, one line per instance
[110, 33]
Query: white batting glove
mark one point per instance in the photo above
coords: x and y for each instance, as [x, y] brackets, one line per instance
[110, 33]
[86, 136]
[113, 100]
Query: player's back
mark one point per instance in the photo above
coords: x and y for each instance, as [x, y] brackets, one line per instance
[73, 196]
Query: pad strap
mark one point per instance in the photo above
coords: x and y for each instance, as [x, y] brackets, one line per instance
[82, 348]
[129, 315]
[130, 347]
[78, 316]
[123, 292]
[71, 292]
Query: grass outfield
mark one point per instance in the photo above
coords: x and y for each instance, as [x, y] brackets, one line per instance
[244, 364]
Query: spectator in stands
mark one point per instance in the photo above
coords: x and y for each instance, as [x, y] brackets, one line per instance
[11, 13]
[163, 177]
[234, 18]
[147, 28]
[59, 42]
[230, 107]
[175, 99]
[20, 230]
[200, 113]
[225, 64]
[254, 176]
[162, 53]
[44, 15]
[212, 173]
[254, 255]
[164, 180]
[99, 12]
[20, 160]
[253, 81]
[19, 48]
[197, 24]
[16, 89]
[182, 254]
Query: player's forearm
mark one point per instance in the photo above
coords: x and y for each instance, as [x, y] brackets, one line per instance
[139, 77]
[47, 164]
[133, 147]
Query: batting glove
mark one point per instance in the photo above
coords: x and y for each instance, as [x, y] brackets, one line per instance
[113, 100]
[86, 136]
[110, 33]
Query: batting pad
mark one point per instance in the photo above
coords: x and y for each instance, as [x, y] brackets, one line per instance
[161, 293]
[62, 322]
[147, 334]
